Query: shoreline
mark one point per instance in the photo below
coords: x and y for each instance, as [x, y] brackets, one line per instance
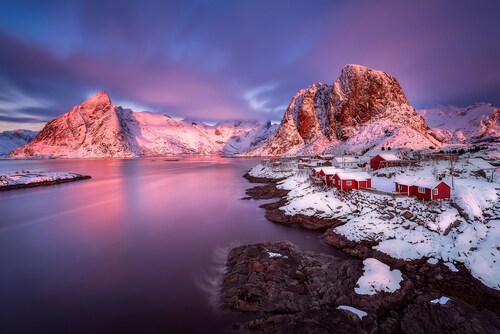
[426, 279]
[43, 183]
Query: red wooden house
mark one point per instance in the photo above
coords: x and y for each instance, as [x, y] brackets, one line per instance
[379, 160]
[327, 173]
[315, 171]
[424, 188]
[351, 180]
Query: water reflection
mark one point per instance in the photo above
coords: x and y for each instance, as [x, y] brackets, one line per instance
[132, 249]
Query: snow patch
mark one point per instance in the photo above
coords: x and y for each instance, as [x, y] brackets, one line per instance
[377, 277]
[442, 301]
[358, 312]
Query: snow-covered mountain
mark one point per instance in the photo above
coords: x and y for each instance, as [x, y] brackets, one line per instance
[99, 128]
[362, 110]
[10, 140]
[249, 141]
[475, 123]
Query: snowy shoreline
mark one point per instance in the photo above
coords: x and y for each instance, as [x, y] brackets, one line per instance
[463, 231]
[360, 230]
[27, 179]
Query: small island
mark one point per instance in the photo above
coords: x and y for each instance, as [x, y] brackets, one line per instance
[27, 179]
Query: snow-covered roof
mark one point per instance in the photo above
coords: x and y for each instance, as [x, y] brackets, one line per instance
[358, 176]
[330, 170]
[347, 159]
[326, 155]
[389, 156]
[419, 182]
[480, 163]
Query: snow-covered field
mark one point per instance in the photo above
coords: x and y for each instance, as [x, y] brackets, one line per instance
[26, 177]
[464, 230]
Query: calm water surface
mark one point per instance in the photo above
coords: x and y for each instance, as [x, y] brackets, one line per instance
[139, 248]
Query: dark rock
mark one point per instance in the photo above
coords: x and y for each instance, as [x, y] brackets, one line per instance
[267, 191]
[407, 215]
[455, 316]
[320, 321]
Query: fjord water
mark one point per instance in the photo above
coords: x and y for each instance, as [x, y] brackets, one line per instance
[138, 248]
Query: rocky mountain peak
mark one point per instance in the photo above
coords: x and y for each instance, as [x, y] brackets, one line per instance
[97, 102]
[321, 115]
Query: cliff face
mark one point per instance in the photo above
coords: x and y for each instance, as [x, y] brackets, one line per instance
[323, 116]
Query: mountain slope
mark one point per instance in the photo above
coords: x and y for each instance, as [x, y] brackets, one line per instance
[363, 109]
[10, 140]
[98, 128]
[478, 122]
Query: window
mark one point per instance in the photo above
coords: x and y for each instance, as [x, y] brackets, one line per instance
[435, 191]
[348, 183]
[421, 190]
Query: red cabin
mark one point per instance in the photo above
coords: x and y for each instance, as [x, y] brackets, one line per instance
[326, 174]
[315, 172]
[424, 189]
[377, 161]
[351, 180]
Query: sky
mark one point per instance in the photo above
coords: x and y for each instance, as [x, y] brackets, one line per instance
[216, 60]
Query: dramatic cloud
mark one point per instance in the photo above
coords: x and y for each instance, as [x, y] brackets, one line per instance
[237, 59]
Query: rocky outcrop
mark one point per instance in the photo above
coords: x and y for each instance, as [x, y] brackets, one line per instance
[361, 100]
[290, 290]
[455, 316]
[319, 321]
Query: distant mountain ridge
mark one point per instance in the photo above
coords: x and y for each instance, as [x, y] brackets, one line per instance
[99, 128]
[363, 110]
[476, 123]
[10, 140]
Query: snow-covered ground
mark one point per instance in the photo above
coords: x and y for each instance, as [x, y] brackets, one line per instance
[464, 230]
[377, 277]
[26, 177]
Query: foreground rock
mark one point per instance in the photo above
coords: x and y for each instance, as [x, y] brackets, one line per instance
[295, 291]
[17, 180]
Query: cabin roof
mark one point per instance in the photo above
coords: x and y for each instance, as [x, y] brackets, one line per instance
[419, 182]
[328, 170]
[389, 156]
[357, 176]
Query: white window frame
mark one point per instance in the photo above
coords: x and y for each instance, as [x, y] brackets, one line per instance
[435, 191]
[421, 190]
[348, 183]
